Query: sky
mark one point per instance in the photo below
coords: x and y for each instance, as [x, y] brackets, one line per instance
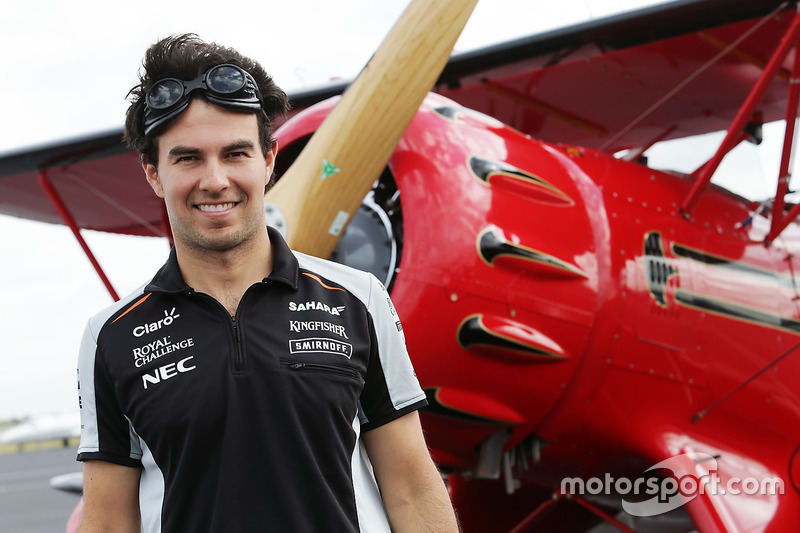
[66, 71]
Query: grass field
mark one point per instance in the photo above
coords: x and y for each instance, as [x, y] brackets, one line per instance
[37, 446]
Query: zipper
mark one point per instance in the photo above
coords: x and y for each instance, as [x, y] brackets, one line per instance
[238, 353]
[239, 362]
[317, 367]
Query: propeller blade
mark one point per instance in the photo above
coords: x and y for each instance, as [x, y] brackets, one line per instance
[323, 189]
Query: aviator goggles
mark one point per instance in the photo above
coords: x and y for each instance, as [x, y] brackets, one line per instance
[225, 85]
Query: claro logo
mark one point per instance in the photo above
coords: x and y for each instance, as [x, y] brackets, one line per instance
[169, 318]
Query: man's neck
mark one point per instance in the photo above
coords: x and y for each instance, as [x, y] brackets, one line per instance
[226, 275]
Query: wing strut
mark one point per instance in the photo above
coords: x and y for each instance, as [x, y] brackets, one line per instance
[735, 130]
[780, 219]
[545, 507]
[69, 220]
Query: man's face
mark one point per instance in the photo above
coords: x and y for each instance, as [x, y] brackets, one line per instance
[212, 174]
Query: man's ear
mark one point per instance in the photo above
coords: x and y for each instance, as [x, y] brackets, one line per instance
[151, 173]
[270, 158]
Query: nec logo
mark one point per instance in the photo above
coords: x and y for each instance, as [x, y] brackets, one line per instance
[168, 371]
[169, 318]
[319, 306]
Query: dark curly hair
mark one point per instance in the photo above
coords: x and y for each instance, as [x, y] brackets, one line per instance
[185, 57]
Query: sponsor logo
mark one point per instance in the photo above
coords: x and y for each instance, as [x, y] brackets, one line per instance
[153, 350]
[320, 345]
[169, 318]
[391, 306]
[168, 371]
[299, 326]
[318, 306]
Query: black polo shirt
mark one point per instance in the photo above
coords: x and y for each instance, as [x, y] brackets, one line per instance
[250, 422]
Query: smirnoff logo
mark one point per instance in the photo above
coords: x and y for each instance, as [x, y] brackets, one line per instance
[321, 345]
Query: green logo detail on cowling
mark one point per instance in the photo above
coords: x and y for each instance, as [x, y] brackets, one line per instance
[329, 169]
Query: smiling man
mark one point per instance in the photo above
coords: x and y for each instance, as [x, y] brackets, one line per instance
[245, 387]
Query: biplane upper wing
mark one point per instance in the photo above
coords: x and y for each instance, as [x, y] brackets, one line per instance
[670, 71]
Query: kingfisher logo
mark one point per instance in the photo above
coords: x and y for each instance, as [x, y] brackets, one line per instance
[169, 318]
[299, 326]
[318, 306]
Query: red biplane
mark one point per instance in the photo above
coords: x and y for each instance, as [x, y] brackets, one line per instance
[600, 341]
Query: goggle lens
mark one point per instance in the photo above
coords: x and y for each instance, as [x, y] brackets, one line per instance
[164, 94]
[225, 79]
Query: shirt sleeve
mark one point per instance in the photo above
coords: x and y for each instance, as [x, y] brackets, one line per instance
[391, 388]
[106, 434]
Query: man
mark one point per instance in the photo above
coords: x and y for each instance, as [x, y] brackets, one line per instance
[244, 387]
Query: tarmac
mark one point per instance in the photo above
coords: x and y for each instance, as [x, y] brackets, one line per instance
[29, 505]
[27, 502]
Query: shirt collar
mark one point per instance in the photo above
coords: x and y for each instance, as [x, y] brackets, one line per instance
[285, 268]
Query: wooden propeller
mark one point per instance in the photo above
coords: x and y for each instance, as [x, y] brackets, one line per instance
[322, 190]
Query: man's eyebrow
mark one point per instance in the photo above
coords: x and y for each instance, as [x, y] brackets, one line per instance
[241, 144]
[181, 150]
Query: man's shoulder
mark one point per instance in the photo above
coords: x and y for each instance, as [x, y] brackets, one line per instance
[358, 282]
[99, 319]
